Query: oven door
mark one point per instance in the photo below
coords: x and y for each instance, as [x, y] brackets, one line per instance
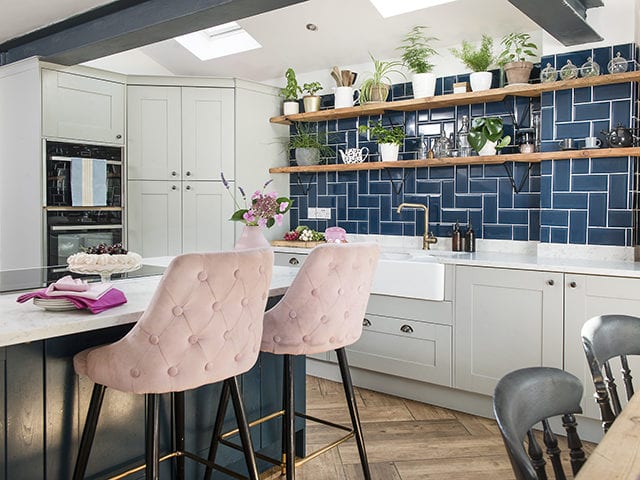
[65, 240]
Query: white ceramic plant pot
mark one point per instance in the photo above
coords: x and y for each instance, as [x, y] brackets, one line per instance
[488, 149]
[480, 81]
[424, 85]
[290, 108]
[388, 152]
[307, 156]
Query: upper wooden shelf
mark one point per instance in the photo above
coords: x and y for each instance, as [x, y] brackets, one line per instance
[453, 99]
[476, 160]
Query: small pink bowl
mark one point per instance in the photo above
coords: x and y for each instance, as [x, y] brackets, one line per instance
[335, 235]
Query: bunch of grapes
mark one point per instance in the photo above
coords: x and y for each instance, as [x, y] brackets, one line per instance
[292, 235]
[104, 249]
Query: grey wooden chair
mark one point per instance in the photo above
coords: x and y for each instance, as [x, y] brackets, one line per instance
[603, 338]
[526, 397]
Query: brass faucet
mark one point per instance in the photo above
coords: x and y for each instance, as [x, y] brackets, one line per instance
[427, 238]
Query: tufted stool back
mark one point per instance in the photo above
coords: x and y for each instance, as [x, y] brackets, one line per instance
[203, 325]
[323, 308]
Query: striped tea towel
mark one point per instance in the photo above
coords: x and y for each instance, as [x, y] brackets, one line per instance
[88, 182]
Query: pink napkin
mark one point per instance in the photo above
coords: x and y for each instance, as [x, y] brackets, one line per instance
[67, 286]
[111, 298]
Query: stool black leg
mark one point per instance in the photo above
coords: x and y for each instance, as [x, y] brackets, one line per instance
[89, 432]
[178, 437]
[353, 410]
[217, 427]
[288, 421]
[243, 426]
[152, 444]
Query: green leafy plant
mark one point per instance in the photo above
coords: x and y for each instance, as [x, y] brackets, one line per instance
[383, 135]
[417, 50]
[312, 87]
[517, 48]
[487, 129]
[380, 78]
[292, 89]
[478, 59]
[305, 137]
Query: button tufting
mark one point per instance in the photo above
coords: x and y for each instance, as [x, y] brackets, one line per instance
[202, 276]
[245, 302]
[177, 311]
[135, 373]
[324, 319]
[173, 371]
[332, 340]
[154, 339]
[314, 292]
[193, 339]
[236, 274]
[332, 265]
[293, 314]
[208, 366]
[306, 339]
[276, 339]
[238, 357]
[340, 291]
[216, 307]
[226, 335]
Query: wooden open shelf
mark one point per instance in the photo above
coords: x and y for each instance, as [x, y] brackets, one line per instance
[453, 99]
[476, 160]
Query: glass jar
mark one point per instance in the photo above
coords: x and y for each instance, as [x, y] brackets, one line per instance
[617, 64]
[569, 71]
[590, 68]
[548, 74]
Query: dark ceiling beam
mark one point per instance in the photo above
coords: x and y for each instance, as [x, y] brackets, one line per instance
[127, 24]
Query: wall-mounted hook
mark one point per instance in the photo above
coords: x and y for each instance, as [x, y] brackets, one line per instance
[397, 189]
[305, 187]
[517, 188]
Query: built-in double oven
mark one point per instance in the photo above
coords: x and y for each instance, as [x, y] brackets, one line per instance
[84, 198]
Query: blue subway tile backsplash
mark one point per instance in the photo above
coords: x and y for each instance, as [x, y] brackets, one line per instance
[578, 201]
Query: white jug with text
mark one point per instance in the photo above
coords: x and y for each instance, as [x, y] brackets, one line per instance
[345, 97]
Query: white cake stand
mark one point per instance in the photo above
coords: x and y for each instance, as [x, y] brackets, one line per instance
[105, 272]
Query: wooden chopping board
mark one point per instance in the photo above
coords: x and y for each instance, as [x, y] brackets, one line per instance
[295, 243]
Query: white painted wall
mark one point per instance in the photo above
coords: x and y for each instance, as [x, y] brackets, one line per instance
[131, 62]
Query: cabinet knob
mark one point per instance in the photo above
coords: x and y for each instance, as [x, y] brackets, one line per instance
[551, 282]
[118, 136]
[573, 284]
[406, 329]
[293, 261]
[188, 173]
[366, 322]
[174, 173]
[173, 187]
[188, 187]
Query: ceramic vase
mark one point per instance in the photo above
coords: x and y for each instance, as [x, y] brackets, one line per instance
[290, 108]
[488, 149]
[480, 81]
[518, 72]
[251, 237]
[306, 156]
[424, 85]
[388, 151]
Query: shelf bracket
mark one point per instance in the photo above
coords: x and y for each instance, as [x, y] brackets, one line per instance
[397, 189]
[305, 187]
[525, 177]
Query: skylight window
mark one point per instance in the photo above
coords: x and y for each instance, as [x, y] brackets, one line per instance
[391, 8]
[218, 41]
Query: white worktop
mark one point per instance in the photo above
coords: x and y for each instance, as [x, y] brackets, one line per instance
[24, 322]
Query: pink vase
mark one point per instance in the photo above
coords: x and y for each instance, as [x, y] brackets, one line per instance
[251, 237]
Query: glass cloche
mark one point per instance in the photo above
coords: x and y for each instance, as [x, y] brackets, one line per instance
[617, 64]
[548, 74]
[569, 71]
[590, 68]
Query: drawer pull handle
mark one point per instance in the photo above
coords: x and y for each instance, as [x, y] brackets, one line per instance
[188, 174]
[188, 187]
[573, 284]
[366, 322]
[406, 329]
[118, 136]
[551, 282]
[173, 187]
[174, 173]
[293, 261]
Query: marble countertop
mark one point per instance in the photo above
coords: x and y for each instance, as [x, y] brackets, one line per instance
[24, 322]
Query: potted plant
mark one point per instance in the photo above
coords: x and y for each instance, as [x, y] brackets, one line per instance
[290, 93]
[311, 101]
[376, 88]
[478, 59]
[485, 135]
[513, 59]
[416, 53]
[389, 139]
[308, 146]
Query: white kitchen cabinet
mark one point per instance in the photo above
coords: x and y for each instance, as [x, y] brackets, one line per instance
[505, 320]
[588, 296]
[169, 218]
[180, 133]
[82, 108]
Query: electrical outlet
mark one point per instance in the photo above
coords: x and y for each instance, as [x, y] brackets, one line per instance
[311, 212]
[323, 213]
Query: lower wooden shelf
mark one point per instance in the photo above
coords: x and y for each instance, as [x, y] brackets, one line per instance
[475, 160]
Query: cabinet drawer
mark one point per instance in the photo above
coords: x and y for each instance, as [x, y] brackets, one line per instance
[289, 259]
[411, 308]
[416, 350]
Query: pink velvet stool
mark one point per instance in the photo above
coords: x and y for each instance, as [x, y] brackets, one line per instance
[322, 311]
[203, 325]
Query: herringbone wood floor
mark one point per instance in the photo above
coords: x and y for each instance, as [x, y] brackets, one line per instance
[405, 440]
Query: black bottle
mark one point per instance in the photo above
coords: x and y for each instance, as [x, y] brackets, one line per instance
[470, 240]
[456, 238]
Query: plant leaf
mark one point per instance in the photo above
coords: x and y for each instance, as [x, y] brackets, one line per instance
[237, 215]
[477, 140]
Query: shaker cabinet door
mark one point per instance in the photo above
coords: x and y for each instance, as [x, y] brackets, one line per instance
[82, 108]
[154, 218]
[154, 142]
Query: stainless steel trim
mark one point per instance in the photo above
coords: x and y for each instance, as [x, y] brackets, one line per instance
[68, 159]
[75, 228]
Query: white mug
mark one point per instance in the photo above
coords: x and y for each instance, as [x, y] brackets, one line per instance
[344, 97]
[592, 142]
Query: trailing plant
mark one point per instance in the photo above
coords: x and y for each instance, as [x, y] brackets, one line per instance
[292, 89]
[312, 87]
[383, 135]
[380, 76]
[417, 50]
[487, 129]
[478, 59]
[517, 48]
[305, 137]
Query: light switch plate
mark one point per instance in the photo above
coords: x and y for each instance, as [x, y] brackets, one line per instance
[323, 213]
